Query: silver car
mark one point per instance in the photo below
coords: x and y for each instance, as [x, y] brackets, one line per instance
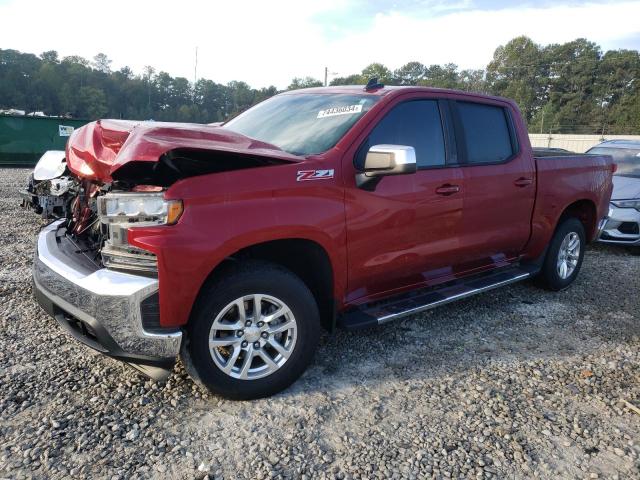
[623, 224]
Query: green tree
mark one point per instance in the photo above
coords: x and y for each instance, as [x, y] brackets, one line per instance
[379, 71]
[411, 73]
[305, 82]
[92, 103]
[518, 71]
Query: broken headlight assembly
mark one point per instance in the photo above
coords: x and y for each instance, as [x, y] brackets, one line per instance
[119, 212]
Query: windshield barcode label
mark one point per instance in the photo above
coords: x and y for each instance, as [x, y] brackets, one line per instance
[334, 111]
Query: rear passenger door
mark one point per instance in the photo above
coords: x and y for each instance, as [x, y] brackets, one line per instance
[499, 183]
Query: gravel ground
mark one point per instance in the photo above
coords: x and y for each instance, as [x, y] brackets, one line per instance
[515, 383]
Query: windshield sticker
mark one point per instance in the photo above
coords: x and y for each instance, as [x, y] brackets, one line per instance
[334, 111]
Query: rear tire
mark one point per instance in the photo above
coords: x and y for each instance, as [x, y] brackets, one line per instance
[237, 347]
[564, 256]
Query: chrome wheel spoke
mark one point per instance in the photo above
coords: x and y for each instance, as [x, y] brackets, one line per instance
[269, 362]
[247, 361]
[275, 315]
[232, 359]
[227, 326]
[242, 312]
[573, 242]
[224, 341]
[257, 307]
[279, 348]
[286, 325]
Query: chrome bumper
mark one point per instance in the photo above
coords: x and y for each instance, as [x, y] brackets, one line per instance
[101, 308]
[622, 227]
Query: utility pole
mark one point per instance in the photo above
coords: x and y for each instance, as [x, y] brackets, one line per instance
[195, 69]
[326, 75]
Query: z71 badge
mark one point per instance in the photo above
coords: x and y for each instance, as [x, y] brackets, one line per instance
[314, 174]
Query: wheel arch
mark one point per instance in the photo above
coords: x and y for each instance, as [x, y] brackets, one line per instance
[584, 210]
[306, 258]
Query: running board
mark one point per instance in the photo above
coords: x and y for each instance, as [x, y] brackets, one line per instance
[384, 311]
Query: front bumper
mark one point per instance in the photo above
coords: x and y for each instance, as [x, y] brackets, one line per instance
[622, 227]
[104, 309]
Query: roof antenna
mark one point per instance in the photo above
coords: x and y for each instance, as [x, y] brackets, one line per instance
[373, 84]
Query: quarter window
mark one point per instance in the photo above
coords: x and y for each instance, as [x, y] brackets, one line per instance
[415, 124]
[486, 133]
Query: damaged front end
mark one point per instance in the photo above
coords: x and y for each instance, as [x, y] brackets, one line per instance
[100, 288]
[51, 187]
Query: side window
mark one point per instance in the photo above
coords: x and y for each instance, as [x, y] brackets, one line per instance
[485, 131]
[416, 124]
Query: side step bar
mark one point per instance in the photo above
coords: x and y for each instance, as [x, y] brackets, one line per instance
[414, 302]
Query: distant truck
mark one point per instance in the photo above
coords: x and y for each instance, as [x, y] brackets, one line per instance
[330, 207]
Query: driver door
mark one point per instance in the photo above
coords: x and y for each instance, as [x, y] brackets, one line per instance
[405, 233]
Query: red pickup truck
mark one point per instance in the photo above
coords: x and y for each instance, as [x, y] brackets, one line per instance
[233, 245]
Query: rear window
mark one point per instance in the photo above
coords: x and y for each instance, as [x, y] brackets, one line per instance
[485, 132]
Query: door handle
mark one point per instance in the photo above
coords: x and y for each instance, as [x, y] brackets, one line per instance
[523, 182]
[447, 189]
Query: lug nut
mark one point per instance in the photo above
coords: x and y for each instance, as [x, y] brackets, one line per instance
[240, 333]
[244, 344]
[247, 323]
[260, 324]
[256, 345]
[264, 335]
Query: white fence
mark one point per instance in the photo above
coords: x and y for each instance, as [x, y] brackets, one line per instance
[573, 143]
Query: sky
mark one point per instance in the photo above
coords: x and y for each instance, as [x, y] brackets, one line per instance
[271, 41]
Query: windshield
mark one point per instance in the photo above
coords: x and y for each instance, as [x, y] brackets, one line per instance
[302, 124]
[627, 159]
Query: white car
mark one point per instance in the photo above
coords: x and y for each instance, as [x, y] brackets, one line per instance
[623, 224]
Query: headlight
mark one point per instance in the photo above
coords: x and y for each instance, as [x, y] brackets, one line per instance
[628, 203]
[138, 207]
[121, 211]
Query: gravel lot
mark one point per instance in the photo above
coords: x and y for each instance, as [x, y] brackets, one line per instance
[515, 383]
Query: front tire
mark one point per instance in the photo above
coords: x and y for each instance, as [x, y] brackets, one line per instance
[253, 332]
[564, 256]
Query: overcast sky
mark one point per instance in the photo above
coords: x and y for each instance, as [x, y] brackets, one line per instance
[270, 42]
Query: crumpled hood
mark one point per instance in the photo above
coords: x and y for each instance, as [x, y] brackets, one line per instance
[625, 188]
[98, 149]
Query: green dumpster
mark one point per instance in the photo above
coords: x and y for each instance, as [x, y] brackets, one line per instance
[24, 139]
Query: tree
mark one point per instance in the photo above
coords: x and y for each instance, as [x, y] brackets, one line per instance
[379, 71]
[410, 74]
[50, 56]
[91, 102]
[518, 71]
[305, 82]
[572, 71]
[355, 79]
[102, 63]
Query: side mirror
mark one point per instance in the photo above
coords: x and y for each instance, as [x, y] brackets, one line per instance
[383, 160]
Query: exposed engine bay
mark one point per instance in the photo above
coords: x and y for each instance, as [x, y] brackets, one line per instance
[51, 187]
[113, 176]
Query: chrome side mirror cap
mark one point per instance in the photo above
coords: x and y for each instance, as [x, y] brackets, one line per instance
[383, 160]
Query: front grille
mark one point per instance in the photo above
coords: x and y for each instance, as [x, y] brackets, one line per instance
[629, 228]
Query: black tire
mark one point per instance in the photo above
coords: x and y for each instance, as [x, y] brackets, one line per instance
[252, 277]
[549, 276]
